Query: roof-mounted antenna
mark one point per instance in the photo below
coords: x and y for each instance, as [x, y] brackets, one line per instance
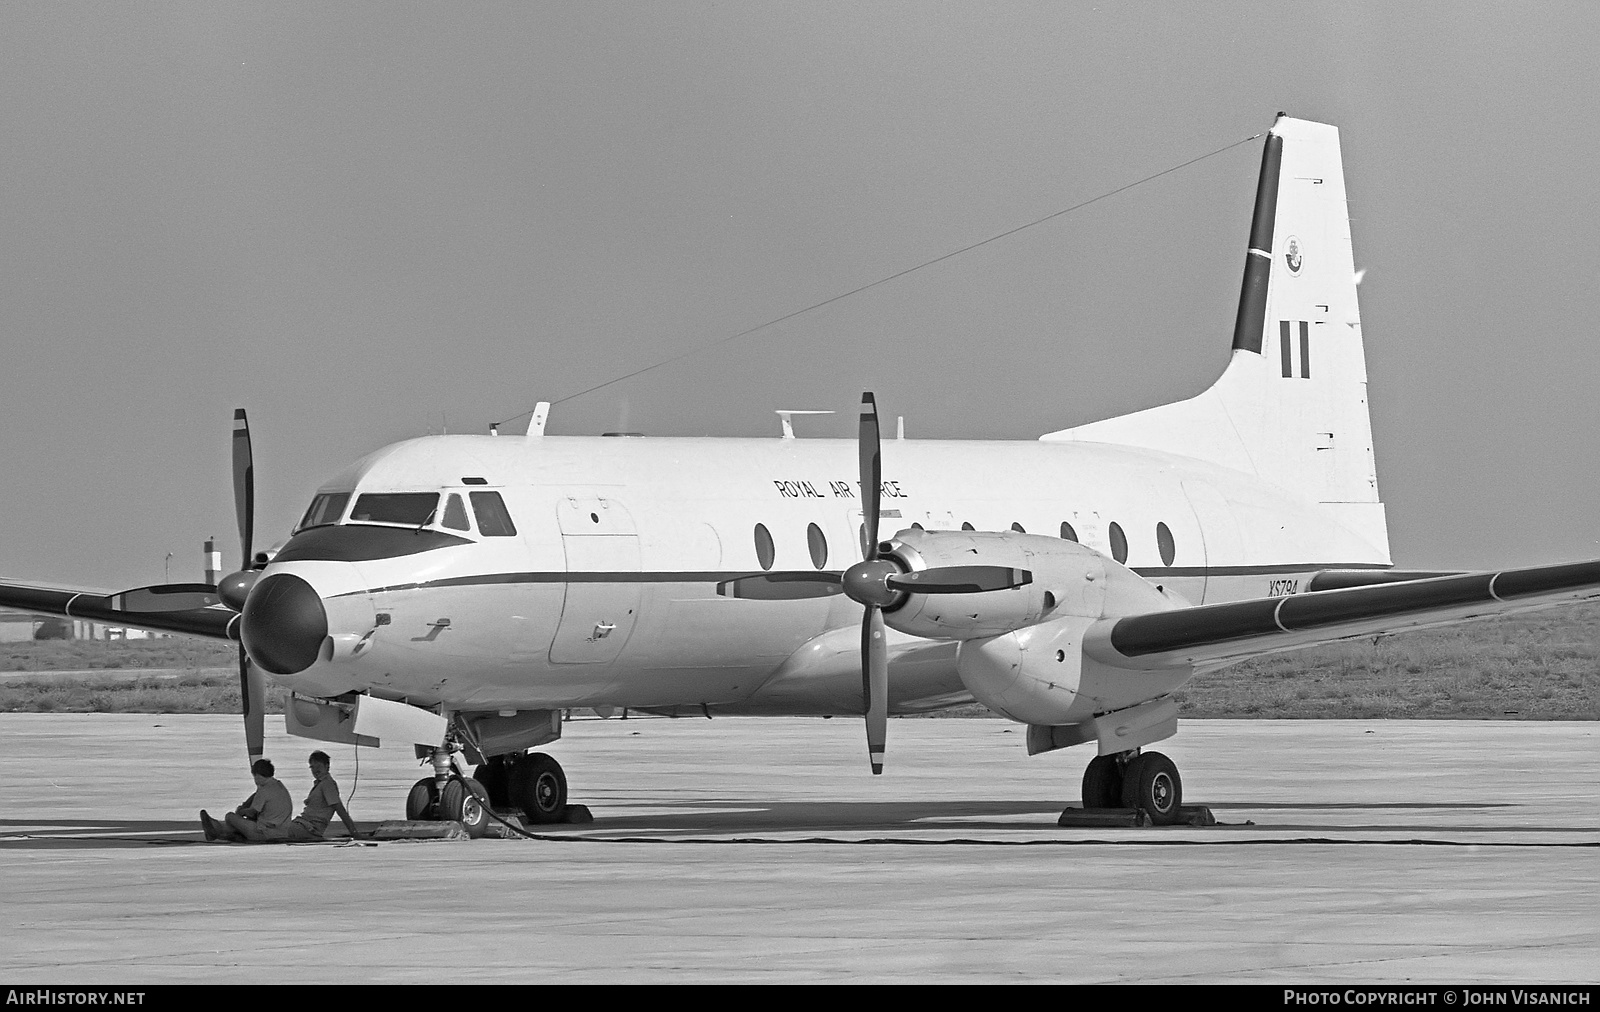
[900, 427]
[541, 412]
[787, 416]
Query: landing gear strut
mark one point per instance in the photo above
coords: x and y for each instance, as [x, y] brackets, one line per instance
[1143, 780]
[449, 795]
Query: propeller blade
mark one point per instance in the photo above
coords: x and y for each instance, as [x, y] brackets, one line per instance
[781, 586]
[960, 580]
[253, 693]
[867, 448]
[252, 684]
[165, 597]
[244, 485]
[875, 685]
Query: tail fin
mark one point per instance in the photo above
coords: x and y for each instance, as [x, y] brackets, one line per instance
[1291, 408]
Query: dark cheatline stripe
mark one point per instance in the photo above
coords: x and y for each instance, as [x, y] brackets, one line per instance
[1247, 329]
[1283, 349]
[822, 578]
[363, 543]
[1305, 350]
[1281, 569]
[828, 577]
[212, 623]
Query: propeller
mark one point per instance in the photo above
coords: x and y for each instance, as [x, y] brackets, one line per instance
[252, 686]
[862, 578]
[877, 583]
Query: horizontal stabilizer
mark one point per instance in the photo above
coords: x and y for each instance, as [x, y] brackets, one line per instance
[1217, 633]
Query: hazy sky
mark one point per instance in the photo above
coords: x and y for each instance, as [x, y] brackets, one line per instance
[363, 222]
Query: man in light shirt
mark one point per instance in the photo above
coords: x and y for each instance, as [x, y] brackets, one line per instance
[322, 804]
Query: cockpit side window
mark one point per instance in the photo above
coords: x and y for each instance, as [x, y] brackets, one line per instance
[414, 509]
[455, 514]
[325, 509]
[493, 520]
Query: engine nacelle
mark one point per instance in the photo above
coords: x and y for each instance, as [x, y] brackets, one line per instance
[1068, 579]
[1040, 675]
[1021, 650]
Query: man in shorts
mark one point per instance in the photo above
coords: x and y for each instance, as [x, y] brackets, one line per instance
[322, 804]
[260, 817]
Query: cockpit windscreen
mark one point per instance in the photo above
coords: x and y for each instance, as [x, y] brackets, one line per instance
[326, 508]
[414, 509]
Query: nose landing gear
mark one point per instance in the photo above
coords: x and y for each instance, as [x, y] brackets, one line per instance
[449, 796]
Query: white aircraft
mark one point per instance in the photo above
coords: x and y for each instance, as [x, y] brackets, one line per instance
[458, 593]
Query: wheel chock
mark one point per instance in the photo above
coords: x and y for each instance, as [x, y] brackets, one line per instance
[1103, 817]
[409, 830]
[1099, 818]
[506, 824]
[577, 815]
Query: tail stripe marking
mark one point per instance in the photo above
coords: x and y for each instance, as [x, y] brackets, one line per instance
[1252, 319]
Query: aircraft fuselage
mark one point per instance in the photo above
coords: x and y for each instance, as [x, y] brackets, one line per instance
[608, 594]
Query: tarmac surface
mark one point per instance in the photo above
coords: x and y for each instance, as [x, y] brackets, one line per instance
[764, 850]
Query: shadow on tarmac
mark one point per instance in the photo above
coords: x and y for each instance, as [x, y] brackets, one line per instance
[729, 819]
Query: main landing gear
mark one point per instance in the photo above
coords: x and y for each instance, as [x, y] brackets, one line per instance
[1138, 780]
[534, 784]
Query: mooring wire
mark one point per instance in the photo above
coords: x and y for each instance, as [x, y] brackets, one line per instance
[885, 280]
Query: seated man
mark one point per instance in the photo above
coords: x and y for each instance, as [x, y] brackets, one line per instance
[262, 815]
[322, 804]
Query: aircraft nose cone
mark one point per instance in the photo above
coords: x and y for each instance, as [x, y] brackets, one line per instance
[283, 624]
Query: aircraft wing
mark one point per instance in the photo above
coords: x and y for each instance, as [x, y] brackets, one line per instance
[1220, 633]
[188, 608]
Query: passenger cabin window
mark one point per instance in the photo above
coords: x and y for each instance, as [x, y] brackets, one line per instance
[1119, 543]
[1164, 542]
[455, 514]
[325, 509]
[413, 509]
[818, 545]
[766, 551]
[493, 520]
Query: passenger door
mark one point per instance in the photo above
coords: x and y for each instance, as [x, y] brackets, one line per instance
[601, 604]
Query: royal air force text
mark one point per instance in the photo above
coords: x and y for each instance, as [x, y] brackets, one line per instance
[801, 489]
